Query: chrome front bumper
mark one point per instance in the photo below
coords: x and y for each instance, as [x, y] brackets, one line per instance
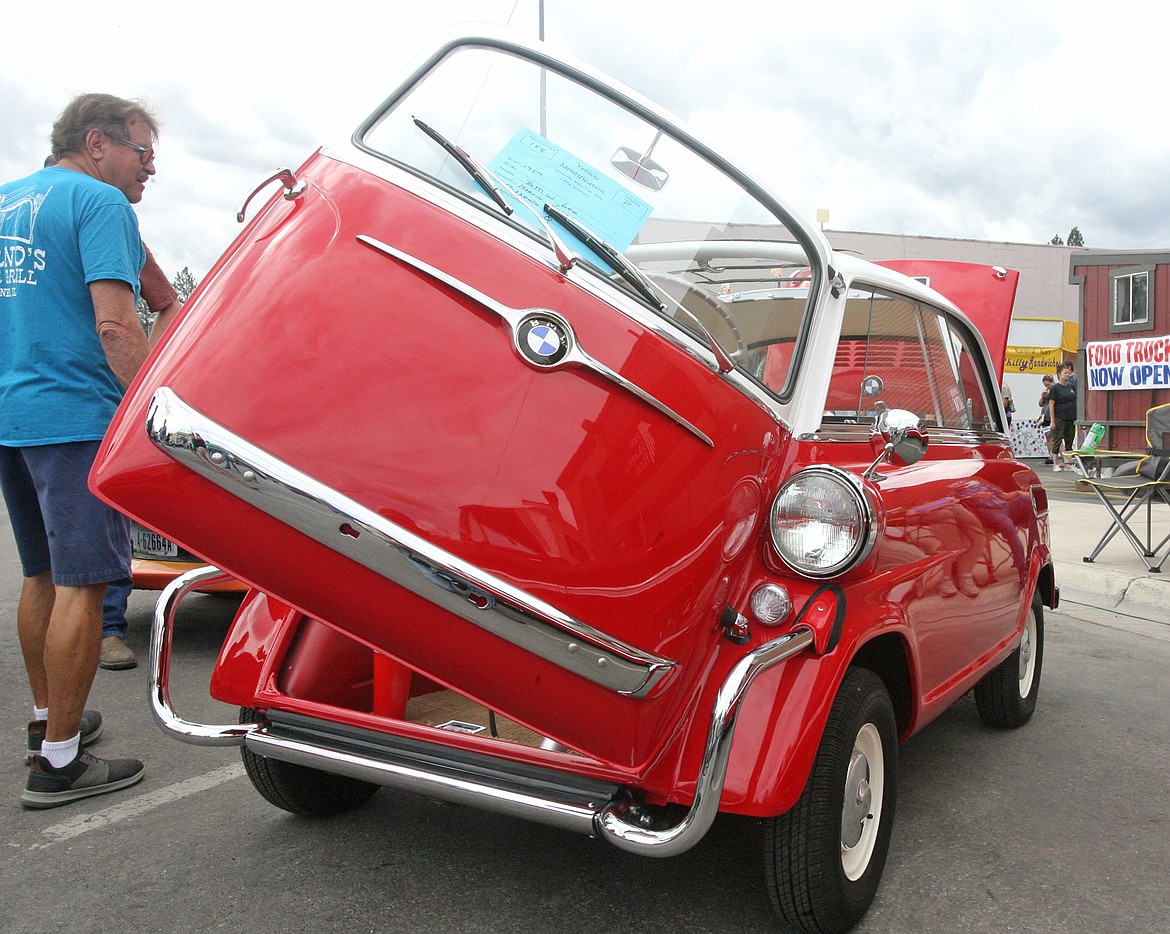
[539, 794]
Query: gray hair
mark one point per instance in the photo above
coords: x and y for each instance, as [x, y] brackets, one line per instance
[112, 115]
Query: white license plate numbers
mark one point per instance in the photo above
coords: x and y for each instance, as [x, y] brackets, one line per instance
[148, 544]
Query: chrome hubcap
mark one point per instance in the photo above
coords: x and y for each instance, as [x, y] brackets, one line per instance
[858, 798]
[861, 806]
[1027, 655]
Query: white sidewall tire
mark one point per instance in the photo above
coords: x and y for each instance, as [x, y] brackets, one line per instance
[815, 881]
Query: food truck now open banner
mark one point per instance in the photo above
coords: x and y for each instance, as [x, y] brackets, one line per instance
[1138, 363]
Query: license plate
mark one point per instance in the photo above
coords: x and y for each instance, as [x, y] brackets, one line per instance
[148, 544]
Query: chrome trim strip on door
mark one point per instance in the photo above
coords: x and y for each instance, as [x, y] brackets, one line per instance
[367, 538]
[515, 317]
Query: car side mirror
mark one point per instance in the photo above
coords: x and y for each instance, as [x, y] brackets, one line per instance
[902, 437]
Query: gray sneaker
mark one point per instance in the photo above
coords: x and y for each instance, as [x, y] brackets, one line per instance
[85, 776]
[91, 729]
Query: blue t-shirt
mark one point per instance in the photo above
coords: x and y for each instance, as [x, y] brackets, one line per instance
[60, 230]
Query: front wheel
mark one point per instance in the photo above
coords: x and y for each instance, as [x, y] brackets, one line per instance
[299, 789]
[1006, 697]
[823, 860]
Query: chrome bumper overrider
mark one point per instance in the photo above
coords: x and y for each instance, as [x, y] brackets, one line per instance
[369, 539]
[626, 832]
[539, 794]
[161, 631]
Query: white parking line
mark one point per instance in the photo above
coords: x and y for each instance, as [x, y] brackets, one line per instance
[133, 807]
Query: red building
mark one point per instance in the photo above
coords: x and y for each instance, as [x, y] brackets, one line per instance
[1124, 362]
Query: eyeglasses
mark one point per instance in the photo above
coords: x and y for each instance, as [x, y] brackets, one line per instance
[145, 153]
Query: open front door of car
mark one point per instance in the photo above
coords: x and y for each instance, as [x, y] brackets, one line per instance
[986, 295]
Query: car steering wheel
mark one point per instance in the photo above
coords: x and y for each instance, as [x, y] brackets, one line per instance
[670, 283]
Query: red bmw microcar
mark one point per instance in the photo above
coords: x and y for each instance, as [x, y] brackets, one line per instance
[577, 478]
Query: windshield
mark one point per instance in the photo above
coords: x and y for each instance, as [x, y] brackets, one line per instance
[614, 187]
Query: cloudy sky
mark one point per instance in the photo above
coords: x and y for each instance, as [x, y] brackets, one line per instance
[999, 121]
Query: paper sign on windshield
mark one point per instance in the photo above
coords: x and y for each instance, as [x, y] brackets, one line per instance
[541, 172]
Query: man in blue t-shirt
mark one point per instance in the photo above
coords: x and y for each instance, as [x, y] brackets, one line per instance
[70, 257]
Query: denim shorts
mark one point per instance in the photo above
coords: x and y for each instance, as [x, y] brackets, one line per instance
[60, 526]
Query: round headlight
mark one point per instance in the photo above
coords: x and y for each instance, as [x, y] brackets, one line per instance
[821, 522]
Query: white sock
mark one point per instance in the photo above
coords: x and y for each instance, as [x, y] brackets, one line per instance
[40, 713]
[62, 753]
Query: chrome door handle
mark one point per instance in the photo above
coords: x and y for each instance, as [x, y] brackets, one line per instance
[292, 189]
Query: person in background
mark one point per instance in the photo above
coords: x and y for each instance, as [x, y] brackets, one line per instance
[1044, 422]
[1062, 411]
[73, 342]
[115, 654]
[1008, 405]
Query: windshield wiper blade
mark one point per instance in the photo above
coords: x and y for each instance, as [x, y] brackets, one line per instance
[493, 186]
[469, 163]
[643, 284]
[622, 266]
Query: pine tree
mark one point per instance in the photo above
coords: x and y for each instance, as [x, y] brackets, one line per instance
[184, 284]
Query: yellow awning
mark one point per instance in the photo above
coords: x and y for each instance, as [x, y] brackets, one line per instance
[1044, 359]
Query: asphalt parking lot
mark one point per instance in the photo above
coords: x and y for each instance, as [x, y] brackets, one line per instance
[1057, 827]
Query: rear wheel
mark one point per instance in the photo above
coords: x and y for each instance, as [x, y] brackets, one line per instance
[299, 789]
[1007, 696]
[823, 860]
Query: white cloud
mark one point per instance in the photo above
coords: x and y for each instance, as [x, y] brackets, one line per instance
[998, 120]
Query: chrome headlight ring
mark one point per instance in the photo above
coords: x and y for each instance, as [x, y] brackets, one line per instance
[822, 522]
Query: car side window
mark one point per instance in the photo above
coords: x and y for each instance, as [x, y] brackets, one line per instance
[902, 353]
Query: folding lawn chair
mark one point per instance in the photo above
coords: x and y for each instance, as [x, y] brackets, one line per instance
[1144, 486]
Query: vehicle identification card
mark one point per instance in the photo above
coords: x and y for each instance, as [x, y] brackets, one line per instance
[541, 172]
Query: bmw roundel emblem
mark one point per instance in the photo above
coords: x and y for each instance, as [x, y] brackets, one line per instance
[543, 340]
